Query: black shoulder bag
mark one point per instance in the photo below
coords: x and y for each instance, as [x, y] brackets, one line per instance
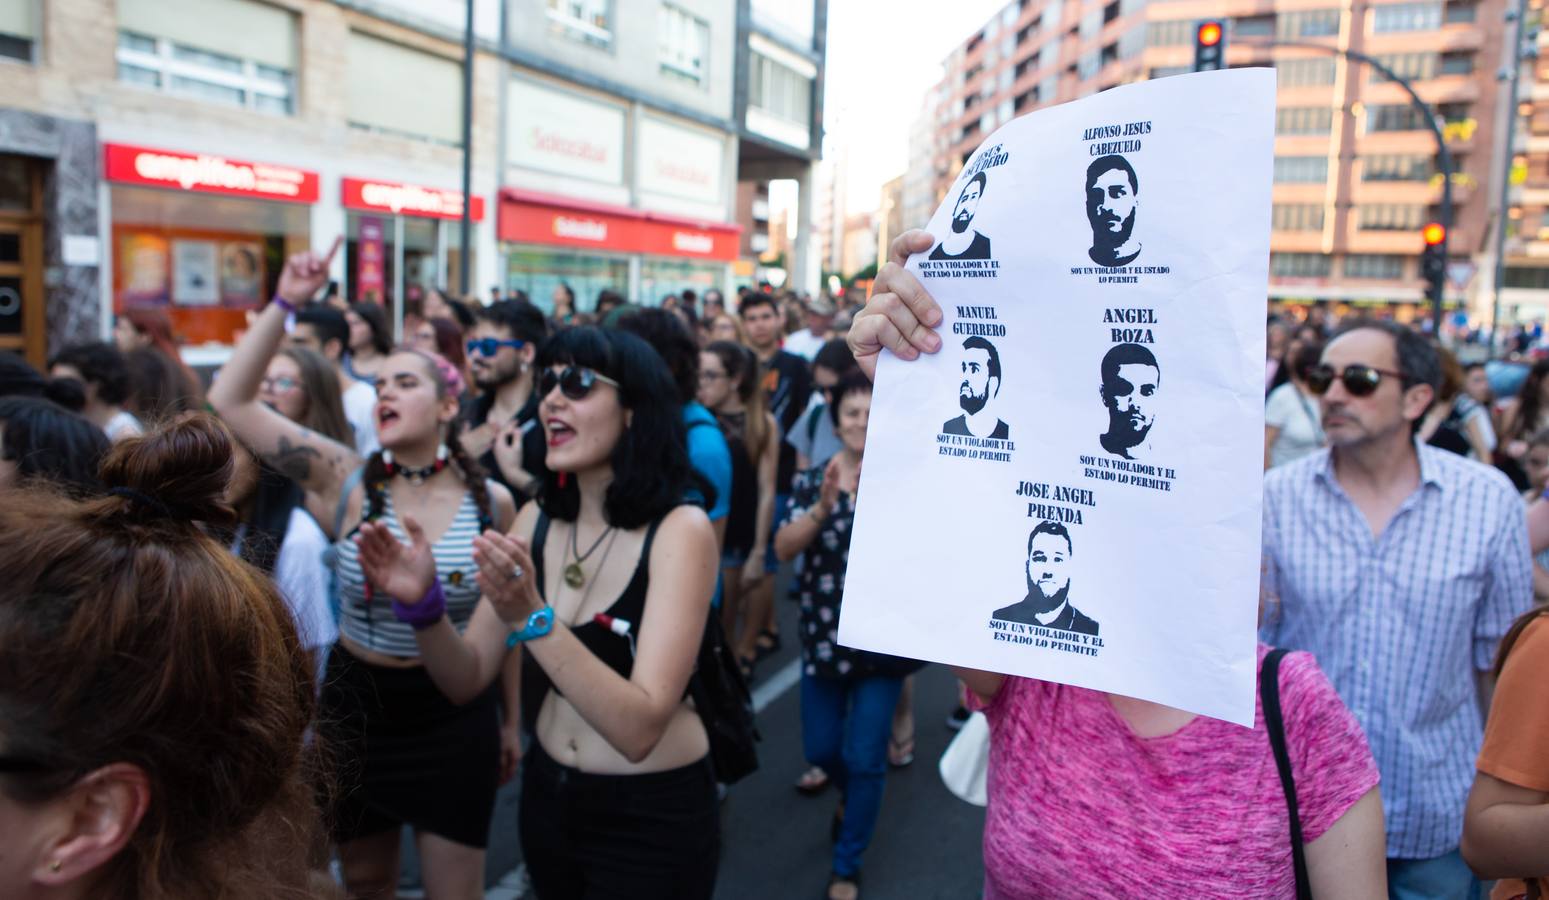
[1269, 696]
[725, 706]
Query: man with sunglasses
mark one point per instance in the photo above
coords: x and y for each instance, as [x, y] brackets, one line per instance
[503, 431]
[1399, 566]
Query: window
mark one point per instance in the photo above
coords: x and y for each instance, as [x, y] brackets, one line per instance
[1300, 265]
[780, 90]
[587, 21]
[1532, 277]
[1461, 12]
[1408, 66]
[18, 29]
[161, 64]
[1457, 63]
[1109, 54]
[1297, 217]
[1254, 26]
[1395, 118]
[395, 89]
[1110, 12]
[682, 44]
[1023, 67]
[1029, 32]
[1451, 113]
[1026, 99]
[233, 52]
[1406, 17]
[1007, 110]
[1307, 23]
[1394, 167]
[1374, 265]
[1304, 72]
[1389, 217]
[1173, 33]
[1301, 169]
[1303, 120]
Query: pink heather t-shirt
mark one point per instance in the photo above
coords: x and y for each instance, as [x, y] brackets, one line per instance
[1079, 806]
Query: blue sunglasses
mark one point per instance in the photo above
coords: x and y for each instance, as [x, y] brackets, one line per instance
[491, 346]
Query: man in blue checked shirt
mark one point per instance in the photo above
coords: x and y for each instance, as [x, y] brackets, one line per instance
[1399, 566]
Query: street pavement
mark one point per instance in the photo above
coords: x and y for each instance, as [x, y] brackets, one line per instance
[775, 843]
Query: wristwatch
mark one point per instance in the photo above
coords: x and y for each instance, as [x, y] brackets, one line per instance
[538, 624]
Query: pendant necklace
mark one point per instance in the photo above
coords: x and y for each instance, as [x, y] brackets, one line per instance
[574, 576]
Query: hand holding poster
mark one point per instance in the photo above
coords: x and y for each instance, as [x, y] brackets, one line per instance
[1070, 489]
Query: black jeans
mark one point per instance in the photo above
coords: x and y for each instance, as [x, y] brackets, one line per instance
[612, 837]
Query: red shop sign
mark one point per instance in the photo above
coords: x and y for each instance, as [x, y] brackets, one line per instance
[408, 200]
[208, 174]
[532, 218]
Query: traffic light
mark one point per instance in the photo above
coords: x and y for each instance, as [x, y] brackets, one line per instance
[1433, 261]
[1209, 45]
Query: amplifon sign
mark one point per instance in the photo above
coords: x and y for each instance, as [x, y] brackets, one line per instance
[208, 174]
[531, 218]
[407, 200]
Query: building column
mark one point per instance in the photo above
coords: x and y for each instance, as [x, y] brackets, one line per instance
[806, 273]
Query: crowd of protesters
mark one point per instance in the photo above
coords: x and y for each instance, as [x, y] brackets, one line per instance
[355, 585]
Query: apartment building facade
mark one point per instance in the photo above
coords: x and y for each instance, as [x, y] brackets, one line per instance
[1355, 165]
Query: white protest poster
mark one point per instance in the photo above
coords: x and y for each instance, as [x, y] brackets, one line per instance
[1070, 489]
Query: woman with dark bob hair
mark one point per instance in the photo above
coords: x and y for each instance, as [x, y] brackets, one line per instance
[41, 440]
[606, 582]
[155, 695]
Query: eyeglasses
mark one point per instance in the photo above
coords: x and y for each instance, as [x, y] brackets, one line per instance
[491, 346]
[279, 385]
[710, 376]
[1360, 381]
[574, 382]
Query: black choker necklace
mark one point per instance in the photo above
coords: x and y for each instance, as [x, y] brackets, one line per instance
[415, 475]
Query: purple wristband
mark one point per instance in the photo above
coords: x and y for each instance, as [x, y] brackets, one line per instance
[284, 304]
[425, 613]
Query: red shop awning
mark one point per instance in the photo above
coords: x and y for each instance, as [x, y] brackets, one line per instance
[530, 217]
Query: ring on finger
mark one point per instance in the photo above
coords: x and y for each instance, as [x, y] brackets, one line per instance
[517, 572]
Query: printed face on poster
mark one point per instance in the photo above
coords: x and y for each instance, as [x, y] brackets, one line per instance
[242, 273]
[1070, 489]
[195, 280]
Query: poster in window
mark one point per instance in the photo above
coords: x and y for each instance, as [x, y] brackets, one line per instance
[242, 273]
[194, 279]
[142, 260]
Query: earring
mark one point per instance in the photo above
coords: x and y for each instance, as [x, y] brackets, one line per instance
[55, 866]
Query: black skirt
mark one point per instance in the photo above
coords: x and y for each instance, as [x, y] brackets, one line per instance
[403, 754]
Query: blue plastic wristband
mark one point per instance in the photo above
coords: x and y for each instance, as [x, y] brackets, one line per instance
[538, 624]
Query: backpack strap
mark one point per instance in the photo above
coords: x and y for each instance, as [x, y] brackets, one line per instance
[345, 490]
[1274, 723]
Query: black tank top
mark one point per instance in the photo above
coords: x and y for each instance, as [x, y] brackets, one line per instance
[616, 651]
[742, 517]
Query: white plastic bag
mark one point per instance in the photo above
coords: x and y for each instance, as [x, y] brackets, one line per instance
[967, 759]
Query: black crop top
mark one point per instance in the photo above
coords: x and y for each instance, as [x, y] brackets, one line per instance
[616, 651]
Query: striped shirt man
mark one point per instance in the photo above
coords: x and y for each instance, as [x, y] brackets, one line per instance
[1400, 621]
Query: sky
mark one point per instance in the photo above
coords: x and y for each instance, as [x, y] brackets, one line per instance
[883, 55]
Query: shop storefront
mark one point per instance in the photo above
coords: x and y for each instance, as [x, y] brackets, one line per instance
[590, 247]
[404, 239]
[202, 236]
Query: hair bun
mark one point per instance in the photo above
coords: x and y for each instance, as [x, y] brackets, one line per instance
[66, 392]
[185, 466]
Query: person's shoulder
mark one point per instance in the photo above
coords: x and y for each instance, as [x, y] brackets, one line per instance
[304, 530]
[1297, 473]
[1532, 644]
[1015, 612]
[684, 525]
[1082, 623]
[1461, 472]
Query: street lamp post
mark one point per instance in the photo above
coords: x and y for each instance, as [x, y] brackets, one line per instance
[467, 222]
[1514, 60]
[1443, 155]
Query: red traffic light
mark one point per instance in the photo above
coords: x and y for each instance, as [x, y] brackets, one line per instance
[1434, 233]
[1209, 34]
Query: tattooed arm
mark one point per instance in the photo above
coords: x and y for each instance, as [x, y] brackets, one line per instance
[315, 462]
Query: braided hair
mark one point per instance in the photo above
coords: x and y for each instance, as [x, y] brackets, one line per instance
[374, 478]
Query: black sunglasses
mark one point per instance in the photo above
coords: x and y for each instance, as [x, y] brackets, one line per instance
[574, 382]
[1360, 381]
[490, 346]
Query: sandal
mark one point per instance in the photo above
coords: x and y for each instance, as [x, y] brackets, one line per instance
[812, 782]
[900, 753]
[767, 643]
[852, 883]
